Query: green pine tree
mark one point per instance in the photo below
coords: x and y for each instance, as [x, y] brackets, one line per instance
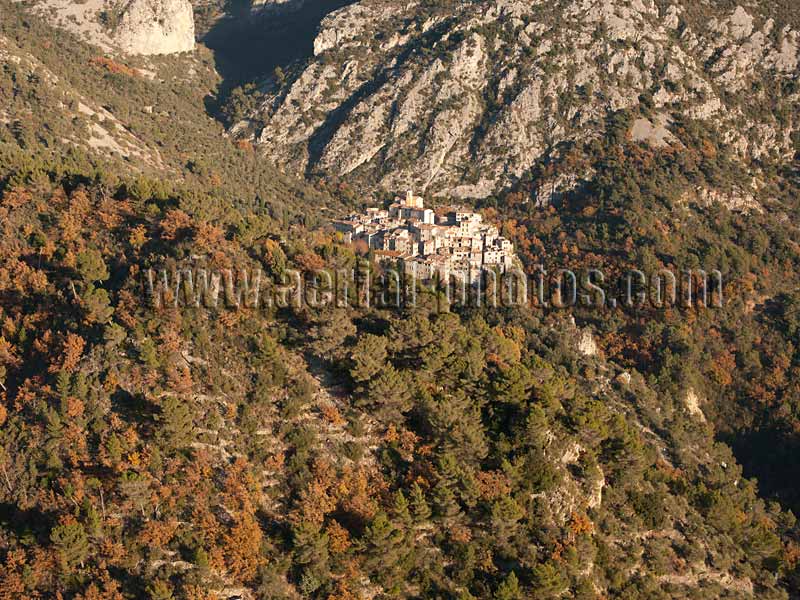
[160, 590]
[384, 545]
[311, 551]
[388, 395]
[509, 589]
[420, 509]
[176, 423]
[401, 512]
[71, 544]
[548, 580]
[91, 267]
[367, 358]
[55, 436]
[63, 384]
[96, 305]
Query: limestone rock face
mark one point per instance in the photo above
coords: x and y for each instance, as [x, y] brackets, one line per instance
[655, 134]
[156, 27]
[692, 402]
[344, 27]
[464, 100]
[145, 27]
[586, 344]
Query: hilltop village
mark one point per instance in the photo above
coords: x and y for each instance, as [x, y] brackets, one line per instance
[453, 242]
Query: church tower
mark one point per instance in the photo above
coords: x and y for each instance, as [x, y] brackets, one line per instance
[414, 201]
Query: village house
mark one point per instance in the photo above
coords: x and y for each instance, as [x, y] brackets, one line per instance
[456, 242]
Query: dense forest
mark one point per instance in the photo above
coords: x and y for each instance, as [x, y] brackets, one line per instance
[642, 210]
[188, 453]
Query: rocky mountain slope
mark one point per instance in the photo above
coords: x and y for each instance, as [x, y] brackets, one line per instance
[464, 98]
[143, 27]
[66, 105]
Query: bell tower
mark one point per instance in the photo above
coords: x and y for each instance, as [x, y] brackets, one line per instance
[414, 201]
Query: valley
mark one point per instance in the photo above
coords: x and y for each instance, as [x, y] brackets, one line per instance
[249, 45]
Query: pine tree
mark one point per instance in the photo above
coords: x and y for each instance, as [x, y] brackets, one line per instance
[63, 384]
[71, 544]
[96, 305]
[368, 358]
[411, 334]
[548, 581]
[311, 550]
[420, 509]
[160, 590]
[176, 423]
[80, 386]
[55, 436]
[404, 522]
[383, 548]
[456, 423]
[271, 367]
[444, 494]
[91, 267]
[201, 561]
[148, 353]
[538, 471]
[509, 589]
[401, 512]
[332, 332]
[388, 395]
[536, 428]
[506, 513]
[512, 384]
[113, 449]
[445, 501]
[114, 335]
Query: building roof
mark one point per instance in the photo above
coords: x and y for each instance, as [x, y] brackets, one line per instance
[389, 253]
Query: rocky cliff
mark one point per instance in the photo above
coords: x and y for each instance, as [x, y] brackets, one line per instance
[156, 27]
[144, 27]
[464, 98]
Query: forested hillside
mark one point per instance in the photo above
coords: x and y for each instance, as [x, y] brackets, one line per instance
[684, 208]
[142, 121]
[190, 453]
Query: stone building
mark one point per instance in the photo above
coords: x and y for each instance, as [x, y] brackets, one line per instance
[456, 242]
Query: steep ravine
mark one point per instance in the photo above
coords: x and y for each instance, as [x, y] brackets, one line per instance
[249, 46]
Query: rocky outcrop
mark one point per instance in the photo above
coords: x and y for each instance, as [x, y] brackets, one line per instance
[692, 402]
[145, 27]
[343, 28]
[655, 133]
[89, 125]
[736, 200]
[156, 27]
[586, 344]
[463, 101]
